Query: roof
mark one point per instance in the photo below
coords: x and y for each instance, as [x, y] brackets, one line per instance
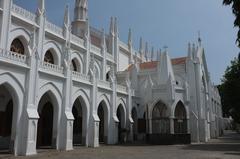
[153, 64]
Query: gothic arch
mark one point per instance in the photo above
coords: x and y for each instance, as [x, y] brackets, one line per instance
[122, 106]
[168, 112]
[103, 111]
[17, 93]
[55, 98]
[174, 108]
[97, 70]
[24, 36]
[81, 119]
[79, 61]
[55, 50]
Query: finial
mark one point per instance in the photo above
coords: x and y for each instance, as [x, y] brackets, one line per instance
[130, 37]
[152, 53]
[199, 39]
[66, 17]
[146, 51]
[112, 26]
[141, 45]
[115, 26]
[165, 48]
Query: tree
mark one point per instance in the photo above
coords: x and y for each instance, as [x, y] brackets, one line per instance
[236, 11]
[230, 90]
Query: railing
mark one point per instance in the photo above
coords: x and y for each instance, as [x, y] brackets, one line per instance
[95, 49]
[77, 40]
[121, 88]
[80, 76]
[53, 28]
[51, 67]
[23, 13]
[13, 56]
[104, 83]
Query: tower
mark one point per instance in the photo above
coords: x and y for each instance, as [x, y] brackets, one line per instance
[80, 23]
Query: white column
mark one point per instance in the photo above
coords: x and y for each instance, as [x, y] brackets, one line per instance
[5, 23]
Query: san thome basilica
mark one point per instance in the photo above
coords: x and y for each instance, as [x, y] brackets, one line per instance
[73, 85]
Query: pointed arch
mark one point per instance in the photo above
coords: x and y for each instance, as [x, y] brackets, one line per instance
[78, 60]
[55, 99]
[103, 111]
[55, 51]
[83, 105]
[17, 94]
[23, 36]
[180, 121]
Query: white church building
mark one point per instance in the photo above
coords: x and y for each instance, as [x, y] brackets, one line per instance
[74, 85]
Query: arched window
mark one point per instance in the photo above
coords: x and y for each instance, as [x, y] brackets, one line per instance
[180, 122]
[17, 46]
[49, 57]
[108, 76]
[160, 120]
[74, 65]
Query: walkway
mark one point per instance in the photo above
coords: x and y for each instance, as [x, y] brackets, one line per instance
[226, 147]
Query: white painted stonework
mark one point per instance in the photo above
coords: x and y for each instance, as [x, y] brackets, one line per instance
[71, 85]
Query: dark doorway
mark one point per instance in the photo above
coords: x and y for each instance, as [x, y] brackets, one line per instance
[135, 124]
[121, 130]
[45, 126]
[180, 122]
[77, 124]
[6, 117]
[101, 115]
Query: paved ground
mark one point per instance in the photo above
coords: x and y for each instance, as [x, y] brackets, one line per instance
[226, 147]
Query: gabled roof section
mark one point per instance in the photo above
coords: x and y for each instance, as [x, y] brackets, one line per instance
[153, 64]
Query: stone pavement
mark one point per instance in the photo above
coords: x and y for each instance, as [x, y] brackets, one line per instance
[226, 147]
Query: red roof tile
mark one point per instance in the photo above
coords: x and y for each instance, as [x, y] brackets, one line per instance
[153, 64]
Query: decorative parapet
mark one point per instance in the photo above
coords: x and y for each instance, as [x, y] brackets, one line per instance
[95, 49]
[51, 67]
[104, 83]
[121, 88]
[23, 13]
[81, 76]
[13, 56]
[77, 40]
[54, 29]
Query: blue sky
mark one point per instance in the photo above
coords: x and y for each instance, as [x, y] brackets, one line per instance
[173, 23]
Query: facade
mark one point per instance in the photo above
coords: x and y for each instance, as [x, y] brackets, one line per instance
[76, 85]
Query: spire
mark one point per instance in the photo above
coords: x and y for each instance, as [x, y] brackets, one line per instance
[165, 69]
[193, 50]
[41, 7]
[80, 11]
[80, 25]
[190, 51]
[130, 37]
[152, 53]
[111, 30]
[146, 51]
[115, 27]
[199, 39]
[141, 46]
[66, 18]
[103, 43]
[159, 55]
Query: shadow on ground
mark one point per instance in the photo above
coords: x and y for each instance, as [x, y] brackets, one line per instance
[230, 143]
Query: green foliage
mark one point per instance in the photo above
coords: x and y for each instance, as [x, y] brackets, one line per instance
[230, 90]
[236, 11]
